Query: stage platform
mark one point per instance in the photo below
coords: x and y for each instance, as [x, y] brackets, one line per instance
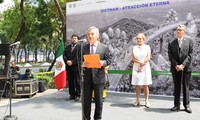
[51, 105]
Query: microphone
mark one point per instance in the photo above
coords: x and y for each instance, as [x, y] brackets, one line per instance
[16, 43]
[82, 40]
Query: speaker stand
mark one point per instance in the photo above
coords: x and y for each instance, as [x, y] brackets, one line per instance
[9, 77]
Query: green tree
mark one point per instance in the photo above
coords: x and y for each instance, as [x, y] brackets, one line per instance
[36, 24]
[10, 23]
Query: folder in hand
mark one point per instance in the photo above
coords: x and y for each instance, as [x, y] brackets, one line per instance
[92, 60]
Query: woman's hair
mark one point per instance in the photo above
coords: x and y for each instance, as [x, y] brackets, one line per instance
[143, 36]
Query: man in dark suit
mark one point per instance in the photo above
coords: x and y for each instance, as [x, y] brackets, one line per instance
[94, 78]
[180, 53]
[73, 76]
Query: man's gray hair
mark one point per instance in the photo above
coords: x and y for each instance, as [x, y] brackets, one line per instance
[96, 30]
[181, 26]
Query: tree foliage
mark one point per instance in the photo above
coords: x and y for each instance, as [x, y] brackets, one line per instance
[38, 24]
[1, 1]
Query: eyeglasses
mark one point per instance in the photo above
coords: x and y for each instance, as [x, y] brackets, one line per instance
[180, 30]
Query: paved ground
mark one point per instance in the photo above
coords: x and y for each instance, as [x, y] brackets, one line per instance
[51, 105]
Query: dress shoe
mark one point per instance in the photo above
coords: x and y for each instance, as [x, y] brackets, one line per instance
[97, 118]
[175, 108]
[188, 110]
[77, 98]
[70, 98]
[147, 105]
[135, 104]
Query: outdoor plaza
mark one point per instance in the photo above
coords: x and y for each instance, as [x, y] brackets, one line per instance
[51, 105]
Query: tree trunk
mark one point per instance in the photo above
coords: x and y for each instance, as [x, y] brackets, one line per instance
[28, 56]
[21, 31]
[48, 56]
[25, 53]
[62, 18]
[23, 24]
[52, 64]
[21, 55]
[17, 56]
[54, 60]
[36, 60]
[63, 29]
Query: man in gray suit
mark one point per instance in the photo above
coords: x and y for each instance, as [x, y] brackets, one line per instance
[180, 53]
[94, 78]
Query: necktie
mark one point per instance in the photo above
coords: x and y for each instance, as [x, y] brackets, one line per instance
[180, 43]
[72, 47]
[92, 49]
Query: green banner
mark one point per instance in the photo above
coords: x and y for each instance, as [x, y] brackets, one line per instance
[153, 72]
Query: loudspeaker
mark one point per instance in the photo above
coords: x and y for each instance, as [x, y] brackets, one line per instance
[41, 86]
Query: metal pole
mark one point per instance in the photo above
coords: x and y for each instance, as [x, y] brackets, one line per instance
[9, 76]
[82, 81]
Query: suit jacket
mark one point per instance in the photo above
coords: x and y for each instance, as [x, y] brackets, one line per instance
[71, 55]
[98, 74]
[181, 55]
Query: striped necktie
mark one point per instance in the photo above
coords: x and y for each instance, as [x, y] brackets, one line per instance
[92, 49]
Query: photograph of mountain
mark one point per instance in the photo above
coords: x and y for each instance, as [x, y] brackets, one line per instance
[118, 28]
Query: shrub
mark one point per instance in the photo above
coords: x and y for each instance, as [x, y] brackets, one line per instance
[47, 77]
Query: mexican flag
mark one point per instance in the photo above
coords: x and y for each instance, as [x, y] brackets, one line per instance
[60, 72]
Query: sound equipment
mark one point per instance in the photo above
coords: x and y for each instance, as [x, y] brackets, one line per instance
[26, 87]
[42, 86]
[6, 51]
[4, 86]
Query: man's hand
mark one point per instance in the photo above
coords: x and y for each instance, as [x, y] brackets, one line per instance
[85, 64]
[177, 68]
[69, 62]
[180, 67]
[101, 63]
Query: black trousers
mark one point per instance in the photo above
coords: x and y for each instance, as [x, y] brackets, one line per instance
[98, 94]
[74, 83]
[181, 80]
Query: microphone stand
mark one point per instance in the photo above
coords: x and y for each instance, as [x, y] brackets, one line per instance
[82, 81]
[9, 77]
